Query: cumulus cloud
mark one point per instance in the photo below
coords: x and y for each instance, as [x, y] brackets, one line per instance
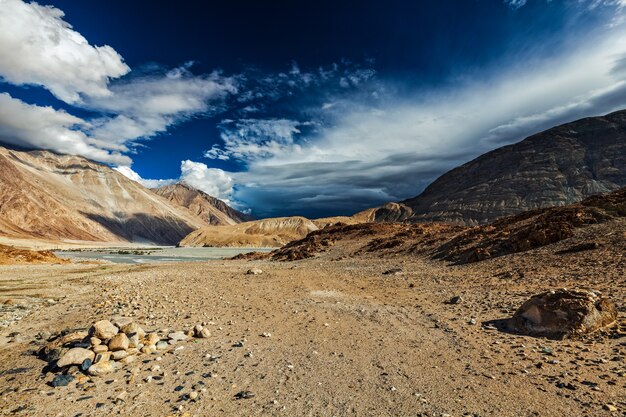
[212, 181]
[38, 47]
[128, 172]
[34, 126]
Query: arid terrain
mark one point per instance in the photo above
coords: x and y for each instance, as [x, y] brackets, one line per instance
[349, 331]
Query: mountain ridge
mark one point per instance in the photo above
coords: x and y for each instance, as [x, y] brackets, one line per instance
[559, 166]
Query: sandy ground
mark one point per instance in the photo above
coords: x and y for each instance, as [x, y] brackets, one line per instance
[346, 340]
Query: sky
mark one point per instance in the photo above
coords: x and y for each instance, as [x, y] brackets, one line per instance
[313, 108]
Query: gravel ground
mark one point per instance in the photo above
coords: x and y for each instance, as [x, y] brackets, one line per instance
[328, 336]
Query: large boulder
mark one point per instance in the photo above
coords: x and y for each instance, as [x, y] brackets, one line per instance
[564, 314]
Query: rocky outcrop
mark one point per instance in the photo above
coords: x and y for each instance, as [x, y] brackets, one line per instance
[259, 233]
[46, 196]
[532, 229]
[12, 256]
[210, 209]
[560, 166]
[564, 314]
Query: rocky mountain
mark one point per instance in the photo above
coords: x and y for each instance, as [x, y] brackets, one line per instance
[259, 233]
[46, 196]
[202, 205]
[559, 166]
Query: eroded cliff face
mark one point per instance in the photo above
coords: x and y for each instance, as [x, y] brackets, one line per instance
[208, 208]
[61, 197]
[560, 166]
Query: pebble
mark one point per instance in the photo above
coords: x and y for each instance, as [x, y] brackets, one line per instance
[104, 329]
[86, 364]
[121, 397]
[178, 336]
[610, 407]
[254, 271]
[119, 355]
[161, 345]
[243, 395]
[193, 395]
[457, 299]
[62, 380]
[152, 339]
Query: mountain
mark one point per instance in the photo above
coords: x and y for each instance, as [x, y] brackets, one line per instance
[46, 196]
[559, 166]
[202, 205]
[259, 233]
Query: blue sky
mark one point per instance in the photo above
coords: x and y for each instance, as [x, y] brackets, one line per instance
[310, 108]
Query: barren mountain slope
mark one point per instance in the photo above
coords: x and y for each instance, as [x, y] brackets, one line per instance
[459, 244]
[258, 233]
[61, 197]
[560, 166]
[210, 209]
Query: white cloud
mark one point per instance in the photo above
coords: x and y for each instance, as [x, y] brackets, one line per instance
[375, 154]
[38, 47]
[515, 4]
[147, 105]
[128, 172]
[212, 181]
[34, 126]
[253, 139]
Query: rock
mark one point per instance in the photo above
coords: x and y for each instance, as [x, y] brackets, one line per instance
[118, 342]
[102, 357]
[457, 299]
[128, 359]
[133, 341]
[119, 355]
[100, 348]
[61, 380]
[152, 339]
[201, 332]
[243, 395]
[86, 364]
[178, 336]
[121, 397]
[254, 271]
[610, 407]
[75, 356]
[104, 329]
[563, 314]
[121, 322]
[161, 345]
[193, 395]
[101, 368]
[148, 349]
[95, 341]
[134, 329]
[54, 345]
[393, 271]
[266, 334]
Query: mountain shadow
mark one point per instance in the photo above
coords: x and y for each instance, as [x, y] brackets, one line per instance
[141, 227]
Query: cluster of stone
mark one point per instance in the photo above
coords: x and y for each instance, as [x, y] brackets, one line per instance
[108, 345]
